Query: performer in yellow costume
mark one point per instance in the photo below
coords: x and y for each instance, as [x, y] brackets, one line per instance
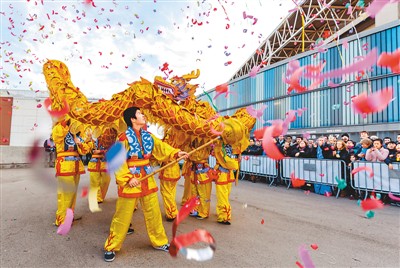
[198, 172]
[68, 167]
[99, 178]
[168, 180]
[140, 146]
[227, 161]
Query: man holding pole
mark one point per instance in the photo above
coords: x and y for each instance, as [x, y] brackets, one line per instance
[136, 183]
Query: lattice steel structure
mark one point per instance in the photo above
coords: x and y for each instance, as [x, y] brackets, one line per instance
[327, 19]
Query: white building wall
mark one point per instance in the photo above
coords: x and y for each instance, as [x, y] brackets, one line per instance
[29, 123]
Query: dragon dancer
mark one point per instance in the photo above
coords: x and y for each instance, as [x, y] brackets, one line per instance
[99, 178]
[68, 167]
[140, 146]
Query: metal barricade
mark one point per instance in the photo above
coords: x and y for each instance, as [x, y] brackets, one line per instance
[255, 165]
[384, 180]
[259, 166]
[322, 171]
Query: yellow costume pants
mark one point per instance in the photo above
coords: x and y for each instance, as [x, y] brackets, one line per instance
[168, 193]
[66, 196]
[223, 207]
[203, 191]
[100, 180]
[187, 190]
[122, 219]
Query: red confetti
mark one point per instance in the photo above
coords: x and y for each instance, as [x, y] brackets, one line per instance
[365, 104]
[371, 203]
[262, 221]
[299, 264]
[34, 152]
[60, 113]
[314, 246]
[84, 191]
[269, 145]
[390, 60]
[296, 182]
[39, 105]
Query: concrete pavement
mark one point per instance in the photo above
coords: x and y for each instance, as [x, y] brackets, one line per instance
[291, 218]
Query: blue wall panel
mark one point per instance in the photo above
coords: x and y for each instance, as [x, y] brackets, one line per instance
[326, 106]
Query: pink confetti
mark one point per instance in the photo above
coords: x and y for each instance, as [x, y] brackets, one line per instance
[60, 113]
[64, 228]
[377, 5]
[391, 196]
[254, 71]
[39, 105]
[217, 133]
[345, 44]
[369, 169]
[305, 257]
[365, 104]
[365, 63]
[256, 113]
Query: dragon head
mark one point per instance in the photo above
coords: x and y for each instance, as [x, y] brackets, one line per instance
[178, 87]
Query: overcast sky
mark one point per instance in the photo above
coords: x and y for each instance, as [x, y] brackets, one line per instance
[113, 43]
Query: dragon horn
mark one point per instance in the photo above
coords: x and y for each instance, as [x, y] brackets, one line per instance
[192, 75]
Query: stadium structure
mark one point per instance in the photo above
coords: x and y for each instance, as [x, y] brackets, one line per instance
[345, 36]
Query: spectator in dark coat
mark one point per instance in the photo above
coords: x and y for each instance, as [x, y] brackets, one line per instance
[303, 151]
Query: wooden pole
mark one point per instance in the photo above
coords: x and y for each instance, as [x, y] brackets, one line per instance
[177, 160]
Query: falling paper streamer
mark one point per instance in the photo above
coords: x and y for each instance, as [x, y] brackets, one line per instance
[64, 228]
[296, 182]
[92, 198]
[180, 243]
[369, 169]
[371, 204]
[59, 113]
[221, 89]
[269, 145]
[254, 71]
[305, 257]
[391, 196]
[377, 5]
[365, 104]
[390, 60]
[256, 113]
[116, 157]
[215, 132]
[365, 63]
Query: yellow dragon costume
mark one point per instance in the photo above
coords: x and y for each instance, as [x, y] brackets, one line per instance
[168, 104]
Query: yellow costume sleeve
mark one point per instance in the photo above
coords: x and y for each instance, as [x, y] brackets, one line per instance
[162, 151]
[84, 148]
[225, 162]
[59, 132]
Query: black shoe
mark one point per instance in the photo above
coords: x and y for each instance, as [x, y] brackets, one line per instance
[224, 222]
[130, 231]
[109, 256]
[193, 214]
[169, 219]
[163, 247]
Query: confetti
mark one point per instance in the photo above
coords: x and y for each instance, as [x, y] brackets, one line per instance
[262, 221]
[92, 198]
[116, 157]
[365, 104]
[390, 60]
[305, 257]
[256, 113]
[64, 228]
[369, 214]
[371, 203]
[84, 191]
[269, 145]
[391, 196]
[358, 169]
[296, 182]
[314, 246]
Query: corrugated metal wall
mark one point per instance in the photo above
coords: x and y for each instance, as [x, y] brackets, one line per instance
[326, 106]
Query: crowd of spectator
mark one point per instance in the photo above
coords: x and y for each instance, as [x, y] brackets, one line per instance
[367, 148]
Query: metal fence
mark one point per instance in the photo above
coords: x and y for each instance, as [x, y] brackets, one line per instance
[323, 171]
[384, 180]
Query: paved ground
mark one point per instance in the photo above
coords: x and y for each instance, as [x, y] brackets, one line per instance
[291, 218]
